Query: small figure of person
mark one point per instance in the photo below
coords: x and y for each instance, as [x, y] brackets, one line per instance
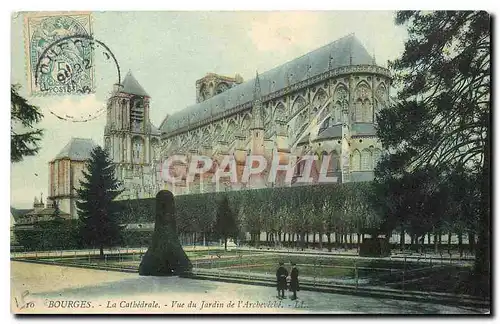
[281, 275]
[294, 281]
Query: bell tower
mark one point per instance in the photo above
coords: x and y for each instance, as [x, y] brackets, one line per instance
[130, 138]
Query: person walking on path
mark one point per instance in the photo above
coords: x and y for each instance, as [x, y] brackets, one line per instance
[281, 275]
[294, 281]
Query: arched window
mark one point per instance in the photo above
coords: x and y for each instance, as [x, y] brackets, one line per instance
[335, 162]
[155, 149]
[358, 117]
[355, 160]
[367, 111]
[124, 149]
[137, 150]
[366, 160]
[338, 112]
[298, 104]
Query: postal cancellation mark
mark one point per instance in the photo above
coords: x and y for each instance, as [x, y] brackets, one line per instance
[66, 74]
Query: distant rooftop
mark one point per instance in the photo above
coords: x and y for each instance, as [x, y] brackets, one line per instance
[78, 149]
[131, 85]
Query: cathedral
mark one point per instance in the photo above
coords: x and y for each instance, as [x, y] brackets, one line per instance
[323, 102]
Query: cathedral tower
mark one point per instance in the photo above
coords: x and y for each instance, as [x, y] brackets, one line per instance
[131, 140]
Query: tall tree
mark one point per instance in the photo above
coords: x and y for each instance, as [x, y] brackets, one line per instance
[99, 220]
[225, 223]
[24, 138]
[442, 118]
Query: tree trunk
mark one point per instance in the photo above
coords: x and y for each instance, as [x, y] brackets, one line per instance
[101, 252]
[482, 262]
[320, 241]
[460, 247]
[329, 237]
[204, 239]
[429, 238]
[449, 242]
[359, 240]
[472, 241]
[402, 239]
[302, 241]
[435, 242]
[225, 244]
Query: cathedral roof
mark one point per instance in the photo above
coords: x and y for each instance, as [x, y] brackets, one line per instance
[78, 149]
[330, 132]
[131, 85]
[345, 51]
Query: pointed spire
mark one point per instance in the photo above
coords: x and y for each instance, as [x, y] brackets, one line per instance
[35, 202]
[256, 90]
[41, 197]
[131, 86]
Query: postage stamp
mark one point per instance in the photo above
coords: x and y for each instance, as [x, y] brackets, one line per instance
[56, 68]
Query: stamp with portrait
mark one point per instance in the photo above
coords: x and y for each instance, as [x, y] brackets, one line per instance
[65, 68]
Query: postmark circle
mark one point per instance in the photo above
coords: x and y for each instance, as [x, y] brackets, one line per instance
[67, 67]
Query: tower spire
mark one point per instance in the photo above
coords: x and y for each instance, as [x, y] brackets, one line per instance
[258, 122]
[257, 94]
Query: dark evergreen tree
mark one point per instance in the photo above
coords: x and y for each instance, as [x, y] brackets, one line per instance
[24, 138]
[442, 116]
[225, 222]
[99, 223]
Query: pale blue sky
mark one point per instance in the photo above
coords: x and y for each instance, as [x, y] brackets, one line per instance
[168, 51]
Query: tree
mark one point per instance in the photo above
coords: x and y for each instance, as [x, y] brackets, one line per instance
[225, 223]
[99, 223]
[442, 117]
[24, 138]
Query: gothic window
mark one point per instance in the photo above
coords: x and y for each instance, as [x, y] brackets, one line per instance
[280, 112]
[337, 113]
[335, 162]
[153, 151]
[124, 149]
[221, 88]
[319, 100]
[377, 154]
[367, 112]
[137, 150]
[299, 168]
[358, 111]
[355, 160]
[298, 104]
[204, 93]
[366, 160]
[137, 115]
